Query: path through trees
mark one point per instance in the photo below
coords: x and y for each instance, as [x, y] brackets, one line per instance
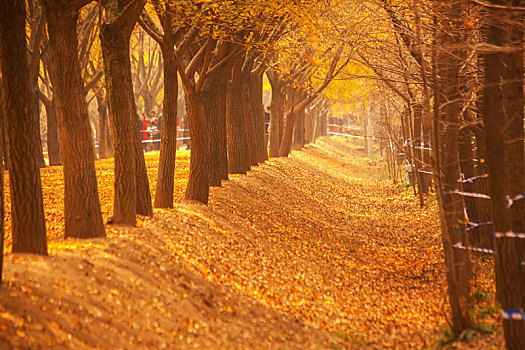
[321, 238]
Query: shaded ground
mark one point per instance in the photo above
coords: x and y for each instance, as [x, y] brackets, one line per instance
[315, 251]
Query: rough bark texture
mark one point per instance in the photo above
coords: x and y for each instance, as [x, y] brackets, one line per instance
[168, 145]
[144, 206]
[115, 48]
[276, 116]
[298, 132]
[53, 146]
[249, 124]
[27, 211]
[214, 98]
[418, 144]
[502, 110]
[36, 129]
[286, 142]
[475, 207]
[308, 125]
[238, 155]
[198, 182]
[103, 140]
[256, 99]
[446, 174]
[81, 204]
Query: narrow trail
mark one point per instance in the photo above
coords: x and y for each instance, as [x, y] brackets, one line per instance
[317, 250]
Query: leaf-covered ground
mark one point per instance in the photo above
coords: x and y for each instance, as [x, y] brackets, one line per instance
[317, 251]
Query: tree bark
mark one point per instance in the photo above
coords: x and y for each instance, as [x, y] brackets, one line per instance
[298, 132]
[502, 110]
[132, 193]
[27, 211]
[276, 116]
[238, 155]
[214, 98]
[102, 127]
[168, 145]
[256, 99]
[308, 125]
[144, 206]
[248, 119]
[81, 204]
[286, 143]
[53, 146]
[446, 162]
[115, 50]
[198, 181]
[36, 127]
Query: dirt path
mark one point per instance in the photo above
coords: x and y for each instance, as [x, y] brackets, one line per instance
[314, 251]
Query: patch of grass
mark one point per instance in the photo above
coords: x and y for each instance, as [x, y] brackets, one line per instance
[468, 335]
[487, 310]
[479, 295]
[344, 335]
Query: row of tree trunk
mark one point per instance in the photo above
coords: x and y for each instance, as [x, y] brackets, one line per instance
[225, 119]
[477, 147]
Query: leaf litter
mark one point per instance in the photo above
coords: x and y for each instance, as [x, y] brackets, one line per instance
[317, 251]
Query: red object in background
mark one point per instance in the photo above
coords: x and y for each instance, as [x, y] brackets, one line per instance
[144, 129]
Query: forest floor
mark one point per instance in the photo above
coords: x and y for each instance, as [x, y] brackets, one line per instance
[318, 250]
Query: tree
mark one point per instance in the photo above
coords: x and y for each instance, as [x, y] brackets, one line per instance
[446, 164]
[198, 182]
[214, 95]
[276, 118]
[239, 151]
[82, 206]
[37, 24]
[28, 225]
[502, 110]
[167, 39]
[298, 107]
[132, 195]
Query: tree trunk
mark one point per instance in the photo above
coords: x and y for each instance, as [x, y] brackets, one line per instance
[256, 98]
[483, 208]
[298, 137]
[144, 206]
[418, 145]
[502, 110]
[214, 98]
[36, 127]
[309, 125]
[249, 124]
[168, 145]
[276, 115]
[109, 143]
[198, 182]
[115, 50]
[81, 203]
[446, 162]
[53, 146]
[286, 143]
[481, 236]
[27, 210]
[102, 127]
[238, 155]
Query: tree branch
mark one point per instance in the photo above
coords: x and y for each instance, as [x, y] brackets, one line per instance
[151, 28]
[207, 60]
